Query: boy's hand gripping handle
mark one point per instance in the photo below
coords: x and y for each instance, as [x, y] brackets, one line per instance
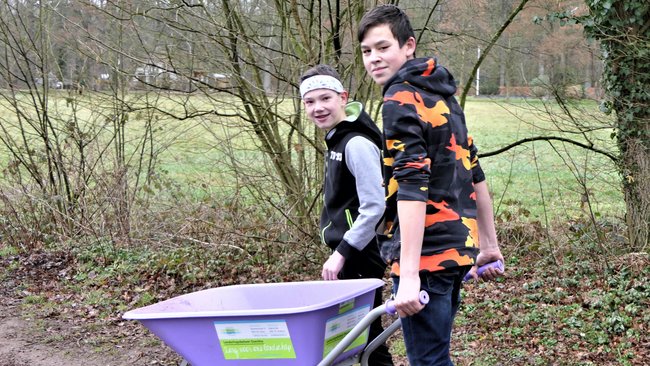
[390, 304]
[496, 264]
[362, 326]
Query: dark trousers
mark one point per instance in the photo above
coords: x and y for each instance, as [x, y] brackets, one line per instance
[368, 264]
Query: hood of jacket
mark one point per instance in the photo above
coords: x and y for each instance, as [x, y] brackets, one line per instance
[357, 120]
[426, 74]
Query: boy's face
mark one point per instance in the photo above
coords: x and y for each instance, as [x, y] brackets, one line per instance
[382, 55]
[325, 107]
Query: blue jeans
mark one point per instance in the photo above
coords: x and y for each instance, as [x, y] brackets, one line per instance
[427, 334]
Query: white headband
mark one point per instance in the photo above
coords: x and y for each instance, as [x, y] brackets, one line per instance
[320, 82]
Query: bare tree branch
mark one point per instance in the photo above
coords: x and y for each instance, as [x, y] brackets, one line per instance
[493, 41]
[549, 139]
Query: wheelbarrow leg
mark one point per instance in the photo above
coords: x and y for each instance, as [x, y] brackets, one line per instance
[379, 340]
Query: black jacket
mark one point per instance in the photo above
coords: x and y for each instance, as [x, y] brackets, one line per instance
[341, 198]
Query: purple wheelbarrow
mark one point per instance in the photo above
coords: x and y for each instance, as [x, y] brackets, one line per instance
[275, 324]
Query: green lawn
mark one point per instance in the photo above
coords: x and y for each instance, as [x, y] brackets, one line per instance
[533, 181]
[547, 180]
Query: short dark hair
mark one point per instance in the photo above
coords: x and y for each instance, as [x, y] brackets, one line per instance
[320, 69]
[389, 14]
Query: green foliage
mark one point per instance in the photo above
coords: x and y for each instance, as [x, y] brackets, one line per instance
[7, 250]
[34, 299]
[123, 277]
[621, 27]
[579, 312]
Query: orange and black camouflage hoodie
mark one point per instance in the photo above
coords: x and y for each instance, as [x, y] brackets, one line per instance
[429, 157]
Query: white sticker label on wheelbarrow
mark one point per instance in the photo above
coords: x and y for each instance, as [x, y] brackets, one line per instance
[255, 340]
[338, 327]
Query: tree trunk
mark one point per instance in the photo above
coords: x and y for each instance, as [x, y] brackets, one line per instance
[502, 73]
[633, 131]
[627, 79]
[636, 186]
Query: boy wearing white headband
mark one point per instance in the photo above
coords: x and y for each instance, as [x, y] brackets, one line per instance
[353, 192]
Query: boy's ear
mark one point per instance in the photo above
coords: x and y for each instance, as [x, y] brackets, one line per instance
[410, 47]
[344, 96]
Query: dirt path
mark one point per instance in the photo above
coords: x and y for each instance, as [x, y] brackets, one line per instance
[30, 342]
[33, 336]
[17, 347]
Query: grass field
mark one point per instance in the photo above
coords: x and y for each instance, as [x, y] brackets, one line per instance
[536, 181]
[548, 180]
[533, 181]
